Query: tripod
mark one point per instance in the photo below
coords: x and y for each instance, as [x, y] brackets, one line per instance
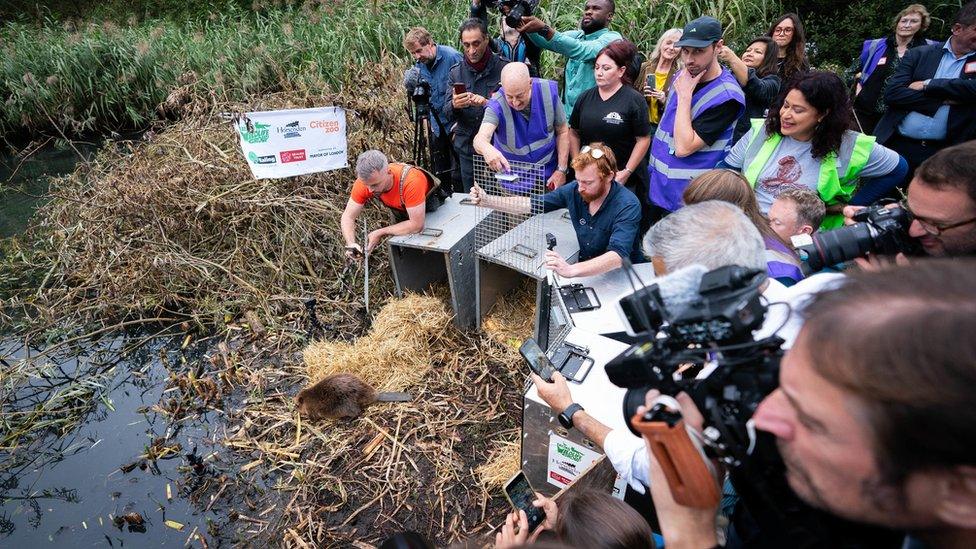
[423, 137]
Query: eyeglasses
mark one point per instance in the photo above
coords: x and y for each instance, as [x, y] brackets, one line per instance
[592, 151]
[783, 30]
[931, 227]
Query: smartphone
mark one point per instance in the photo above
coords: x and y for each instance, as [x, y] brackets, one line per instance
[460, 88]
[507, 177]
[521, 495]
[650, 81]
[538, 360]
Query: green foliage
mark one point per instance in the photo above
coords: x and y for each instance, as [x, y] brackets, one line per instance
[79, 77]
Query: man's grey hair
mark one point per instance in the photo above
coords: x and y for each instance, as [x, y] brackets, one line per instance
[370, 162]
[711, 233]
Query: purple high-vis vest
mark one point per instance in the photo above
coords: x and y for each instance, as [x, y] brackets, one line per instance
[781, 261]
[670, 174]
[871, 54]
[531, 140]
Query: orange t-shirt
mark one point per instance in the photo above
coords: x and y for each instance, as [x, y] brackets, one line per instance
[414, 189]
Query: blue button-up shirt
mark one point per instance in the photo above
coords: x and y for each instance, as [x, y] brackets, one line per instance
[437, 73]
[918, 126]
[613, 228]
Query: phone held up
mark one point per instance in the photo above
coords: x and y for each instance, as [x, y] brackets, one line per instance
[538, 360]
[520, 494]
[460, 88]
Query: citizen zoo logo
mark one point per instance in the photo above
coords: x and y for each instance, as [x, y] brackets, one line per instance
[327, 126]
[291, 130]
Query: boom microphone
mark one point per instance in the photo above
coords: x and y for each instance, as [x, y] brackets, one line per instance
[411, 79]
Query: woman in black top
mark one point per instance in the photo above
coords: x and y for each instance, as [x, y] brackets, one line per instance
[756, 73]
[787, 32]
[878, 61]
[616, 114]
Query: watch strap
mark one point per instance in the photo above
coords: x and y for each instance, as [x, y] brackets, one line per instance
[566, 417]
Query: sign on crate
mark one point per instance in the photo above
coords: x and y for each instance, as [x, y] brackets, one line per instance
[293, 142]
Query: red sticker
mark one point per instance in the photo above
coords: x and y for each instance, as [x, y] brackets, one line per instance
[292, 156]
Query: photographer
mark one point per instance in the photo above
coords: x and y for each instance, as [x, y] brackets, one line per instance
[942, 202]
[479, 73]
[580, 47]
[873, 416]
[509, 44]
[525, 122]
[433, 62]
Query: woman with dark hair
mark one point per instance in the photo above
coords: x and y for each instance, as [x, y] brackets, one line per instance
[757, 73]
[615, 113]
[782, 263]
[787, 32]
[805, 143]
[878, 60]
[590, 519]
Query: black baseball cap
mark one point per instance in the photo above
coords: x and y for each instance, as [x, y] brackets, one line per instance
[700, 33]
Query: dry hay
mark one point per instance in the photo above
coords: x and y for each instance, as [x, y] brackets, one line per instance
[512, 319]
[504, 460]
[175, 226]
[396, 353]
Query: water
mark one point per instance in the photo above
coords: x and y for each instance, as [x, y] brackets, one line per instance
[23, 182]
[71, 487]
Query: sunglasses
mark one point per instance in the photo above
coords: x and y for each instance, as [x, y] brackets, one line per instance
[596, 153]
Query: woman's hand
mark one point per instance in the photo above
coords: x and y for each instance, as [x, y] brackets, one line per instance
[514, 532]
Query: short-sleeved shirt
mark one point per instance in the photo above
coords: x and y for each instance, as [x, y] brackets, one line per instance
[617, 122]
[793, 166]
[414, 190]
[613, 228]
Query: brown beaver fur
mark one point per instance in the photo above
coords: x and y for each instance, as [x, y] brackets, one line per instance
[341, 396]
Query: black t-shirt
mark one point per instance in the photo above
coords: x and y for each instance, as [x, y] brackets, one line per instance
[617, 122]
[714, 121]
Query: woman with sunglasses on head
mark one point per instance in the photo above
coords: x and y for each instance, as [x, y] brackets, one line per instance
[805, 143]
[614, 113]
[787, 32]
[756, 72]
[663, 64]
[878, 60]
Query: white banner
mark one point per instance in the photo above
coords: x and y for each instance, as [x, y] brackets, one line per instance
[294, 141]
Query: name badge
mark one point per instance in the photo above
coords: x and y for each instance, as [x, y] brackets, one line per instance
[882, 61]
[970, 67]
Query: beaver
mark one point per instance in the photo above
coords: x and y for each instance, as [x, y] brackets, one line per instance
[341, 396]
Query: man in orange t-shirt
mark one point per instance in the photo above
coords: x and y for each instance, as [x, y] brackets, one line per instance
[377, 178]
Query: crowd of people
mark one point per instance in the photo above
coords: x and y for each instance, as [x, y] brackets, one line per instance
[702, 155]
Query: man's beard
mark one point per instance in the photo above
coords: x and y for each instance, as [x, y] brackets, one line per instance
[592, 26]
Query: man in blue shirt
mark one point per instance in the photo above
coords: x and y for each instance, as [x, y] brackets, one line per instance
[434, 64]
[604, 213]
[932, 95]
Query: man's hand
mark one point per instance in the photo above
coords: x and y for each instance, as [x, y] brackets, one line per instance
[531, 24]
[374, 238]
[622, 176]
[548, 506]
[556, 180]
[514, 532]
[496, 160]
[684, 84]
[917, 85]
[476, 194]
[556, 394]
[849, 212]
[353, 251]
[555, 262]
[874, 263]
[461, 100]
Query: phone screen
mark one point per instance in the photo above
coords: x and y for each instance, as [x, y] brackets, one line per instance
[460, 88]
[537, 359]
[520, 494]
[650, 81]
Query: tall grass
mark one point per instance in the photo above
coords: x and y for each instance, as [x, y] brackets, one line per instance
[76, 77]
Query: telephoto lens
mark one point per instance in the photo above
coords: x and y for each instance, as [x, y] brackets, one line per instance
[880, 229]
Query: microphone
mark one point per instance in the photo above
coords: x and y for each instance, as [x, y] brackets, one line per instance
[411, 79]
[642, 310]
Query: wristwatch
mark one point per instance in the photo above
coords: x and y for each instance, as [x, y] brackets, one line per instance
[566, 417]
[563, 169]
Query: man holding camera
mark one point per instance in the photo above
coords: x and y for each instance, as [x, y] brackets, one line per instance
[525, 122]
[407, 190]
[580, 47]
[509, 44]
[433, 62]
[873, 417]
[472, 81]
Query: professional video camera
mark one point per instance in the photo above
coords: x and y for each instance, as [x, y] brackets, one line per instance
[418, 93]
[881, 228]
[705, 348]
[514, 10]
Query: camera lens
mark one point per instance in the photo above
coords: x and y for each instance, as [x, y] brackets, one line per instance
[633, 399]
[833, 247]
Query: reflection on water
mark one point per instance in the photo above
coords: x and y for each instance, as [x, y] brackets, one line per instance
[24, 181]
[66, 490]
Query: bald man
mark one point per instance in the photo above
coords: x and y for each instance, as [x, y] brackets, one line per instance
[525, 122]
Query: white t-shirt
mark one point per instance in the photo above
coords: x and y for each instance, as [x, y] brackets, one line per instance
[792, 165]
[627, 453]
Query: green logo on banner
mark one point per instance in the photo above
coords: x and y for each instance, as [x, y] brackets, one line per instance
[259, 135]
[568, 451]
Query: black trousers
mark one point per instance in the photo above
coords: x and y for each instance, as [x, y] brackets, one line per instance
[442, 158]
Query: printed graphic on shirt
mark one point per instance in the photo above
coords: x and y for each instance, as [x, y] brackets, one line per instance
[786, 177]
[613, 118]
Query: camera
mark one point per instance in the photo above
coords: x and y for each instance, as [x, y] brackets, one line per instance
[418, 92]
[514, 10]
[707, 350]
[879, 229]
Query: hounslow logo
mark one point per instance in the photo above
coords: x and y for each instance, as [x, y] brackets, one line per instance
[266, 159]
[292, 129]
[259, 132]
